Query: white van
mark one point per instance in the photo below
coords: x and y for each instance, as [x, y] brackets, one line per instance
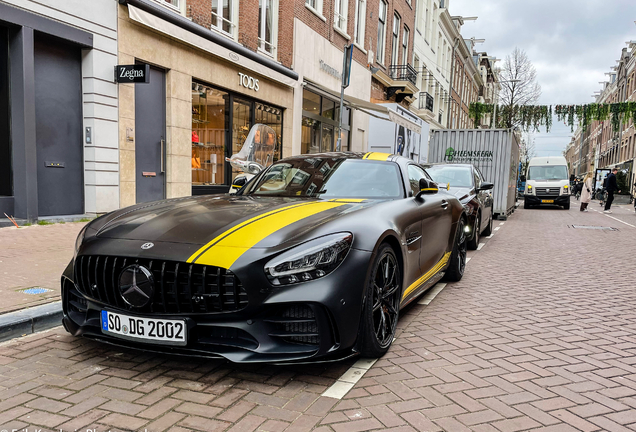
[547, 182]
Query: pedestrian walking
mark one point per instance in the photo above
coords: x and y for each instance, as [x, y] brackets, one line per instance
[611, 187]
[586, 191]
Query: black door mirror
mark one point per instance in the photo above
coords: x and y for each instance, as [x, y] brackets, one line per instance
[486, 186]
[239, 182]
[427, 187]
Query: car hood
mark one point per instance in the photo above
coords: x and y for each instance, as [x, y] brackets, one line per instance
[199, 220]
[461, 193]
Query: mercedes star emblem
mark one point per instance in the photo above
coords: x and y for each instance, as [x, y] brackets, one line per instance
[147, 246]
[136, 285]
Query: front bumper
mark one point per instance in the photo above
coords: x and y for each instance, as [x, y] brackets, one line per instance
[557, 200]
[315, 320]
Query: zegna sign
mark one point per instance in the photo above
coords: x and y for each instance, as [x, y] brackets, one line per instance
[138, 73]
[248, 81]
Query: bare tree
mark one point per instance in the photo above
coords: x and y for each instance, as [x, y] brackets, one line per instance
[518, 85]
[527, 150]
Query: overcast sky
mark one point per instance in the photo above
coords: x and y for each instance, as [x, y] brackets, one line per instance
[572, 44]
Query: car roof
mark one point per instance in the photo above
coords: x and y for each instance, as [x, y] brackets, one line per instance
[375, 156]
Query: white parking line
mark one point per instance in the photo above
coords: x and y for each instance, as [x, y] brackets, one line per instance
[348, 379]
[431, 294]
[491, 235]
[468, 259]
[481, 245]
[616, 219]
[501, 223]
[498, 228]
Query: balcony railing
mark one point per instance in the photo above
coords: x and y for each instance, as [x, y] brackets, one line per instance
[403, 73]
[426, 101]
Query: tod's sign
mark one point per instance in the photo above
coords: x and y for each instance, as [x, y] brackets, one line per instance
[248, 81]
[139, 73]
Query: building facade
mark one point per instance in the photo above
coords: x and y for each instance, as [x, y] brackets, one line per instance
[206, 91]
[58, 108]
[466, 84]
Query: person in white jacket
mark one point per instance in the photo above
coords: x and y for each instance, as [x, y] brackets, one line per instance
[586, 192]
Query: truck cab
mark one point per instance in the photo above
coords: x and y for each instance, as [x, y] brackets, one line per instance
[547, 182]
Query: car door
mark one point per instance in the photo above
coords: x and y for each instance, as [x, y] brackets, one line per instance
[412, 223]
[436, 221]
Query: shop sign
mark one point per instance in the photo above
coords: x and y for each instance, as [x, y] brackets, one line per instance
[132, 73]
[248, 81]
[330, 70]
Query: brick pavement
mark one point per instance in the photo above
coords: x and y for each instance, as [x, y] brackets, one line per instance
[539, 335]
[34, 256]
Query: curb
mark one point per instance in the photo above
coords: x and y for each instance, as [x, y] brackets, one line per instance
[31, 320]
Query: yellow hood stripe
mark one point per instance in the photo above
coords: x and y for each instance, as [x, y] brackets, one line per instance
[377, 156]
[229, 246]
[429, 274]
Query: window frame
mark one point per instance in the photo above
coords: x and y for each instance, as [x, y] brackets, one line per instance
[220, 19]
[360, 23]
[381, 46]
[262, 43]
[406, 33]
[414, 192]
[316, 7]
[341, 21]
[395, 53]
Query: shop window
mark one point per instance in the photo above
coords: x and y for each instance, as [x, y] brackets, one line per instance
[223, 16]
[267, 26]
[319, 132]
[209, 119]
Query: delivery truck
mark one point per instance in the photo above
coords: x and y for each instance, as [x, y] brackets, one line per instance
[495, 152]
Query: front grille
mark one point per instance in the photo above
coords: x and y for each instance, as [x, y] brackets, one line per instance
[551, 192]
[178, 287]
[296, 324]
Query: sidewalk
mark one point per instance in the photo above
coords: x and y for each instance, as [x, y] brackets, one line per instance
[34, 256]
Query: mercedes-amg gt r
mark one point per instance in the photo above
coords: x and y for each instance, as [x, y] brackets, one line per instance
[312, 259]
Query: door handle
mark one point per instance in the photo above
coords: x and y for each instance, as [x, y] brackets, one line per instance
[162, 150]
[444, 204]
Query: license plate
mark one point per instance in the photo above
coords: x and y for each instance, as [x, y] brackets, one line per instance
[547, 201]
[151, 330]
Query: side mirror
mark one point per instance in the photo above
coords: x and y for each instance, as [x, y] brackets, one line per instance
[427, 187]
[254, 168]
[239, 182]
[486, 186]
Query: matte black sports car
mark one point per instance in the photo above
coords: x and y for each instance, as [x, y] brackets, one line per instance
[468, 185]
[313, 258]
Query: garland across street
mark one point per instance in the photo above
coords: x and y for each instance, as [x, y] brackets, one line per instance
[533, 116]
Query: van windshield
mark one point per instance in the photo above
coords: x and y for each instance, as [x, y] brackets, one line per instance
[548, 172]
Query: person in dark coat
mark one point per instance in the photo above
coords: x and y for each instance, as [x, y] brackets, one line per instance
[611, 186]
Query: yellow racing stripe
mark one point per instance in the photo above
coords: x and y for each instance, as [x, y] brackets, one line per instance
[239, 226]
[429, 274]
[377, 156]
[231, 245]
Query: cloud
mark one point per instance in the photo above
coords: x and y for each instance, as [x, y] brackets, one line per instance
[572, 43]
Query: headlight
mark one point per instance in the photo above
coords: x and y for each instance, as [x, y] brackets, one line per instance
[79, 240]
[311, 260]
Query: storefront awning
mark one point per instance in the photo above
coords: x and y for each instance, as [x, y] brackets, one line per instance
[179, 32]
[367, 107]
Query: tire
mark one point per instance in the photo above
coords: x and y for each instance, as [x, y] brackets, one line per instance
[488, 230]
[455, 270]
[474, 242]
[526, 205]
[567, 206]
[382, 304]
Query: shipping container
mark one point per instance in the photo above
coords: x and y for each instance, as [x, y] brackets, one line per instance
[494, 151]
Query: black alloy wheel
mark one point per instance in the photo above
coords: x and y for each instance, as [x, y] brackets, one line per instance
[457, 265]
[382, 305]
[474, 242]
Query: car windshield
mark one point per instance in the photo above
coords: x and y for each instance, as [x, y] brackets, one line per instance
[457, 176]
[330, 177]
[548, 172]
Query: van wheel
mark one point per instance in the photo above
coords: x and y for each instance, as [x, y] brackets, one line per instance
[567, 206]
[526, 205]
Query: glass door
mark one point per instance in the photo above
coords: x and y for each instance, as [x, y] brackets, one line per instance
[242, 121]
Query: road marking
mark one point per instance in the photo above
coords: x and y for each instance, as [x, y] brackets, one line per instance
[498, 228]
[501, 223]
[348, 379]
[468, 259]
[616, 219]
[481, 245]
[491, 235]
[431, 294]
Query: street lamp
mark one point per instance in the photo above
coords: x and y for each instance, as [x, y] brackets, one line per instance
[494, 115]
